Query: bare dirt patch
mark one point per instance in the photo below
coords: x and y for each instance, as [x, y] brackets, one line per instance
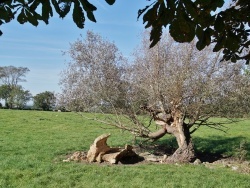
[101, 153]
[145, 157]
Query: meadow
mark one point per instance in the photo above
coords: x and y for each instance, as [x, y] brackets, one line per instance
[33, 145]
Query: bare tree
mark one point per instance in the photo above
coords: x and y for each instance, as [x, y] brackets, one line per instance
[177, 87]
[93, 79]
[10, 75]
[185, 88]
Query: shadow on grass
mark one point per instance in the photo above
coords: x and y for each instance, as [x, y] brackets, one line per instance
[131, 160]
[217, 147]
[208, 149]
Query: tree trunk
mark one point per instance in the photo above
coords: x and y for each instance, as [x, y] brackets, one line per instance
[177, 127]
[185, 152]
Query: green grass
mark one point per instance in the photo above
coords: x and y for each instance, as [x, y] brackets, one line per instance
[33, 144]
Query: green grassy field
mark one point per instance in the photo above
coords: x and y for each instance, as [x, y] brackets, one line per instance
[34, 143]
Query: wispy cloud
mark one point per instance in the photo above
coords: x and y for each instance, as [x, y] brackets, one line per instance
[29, 57]
[32, 41]
[118, 23]
[33, 48]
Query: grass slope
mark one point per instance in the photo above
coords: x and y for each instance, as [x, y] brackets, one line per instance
[33, 144]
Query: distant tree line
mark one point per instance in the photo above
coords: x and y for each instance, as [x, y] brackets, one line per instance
[16, 97]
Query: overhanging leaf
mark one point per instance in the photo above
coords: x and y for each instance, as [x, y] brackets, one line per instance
[57, 8]
[110, 2]
[89, 8]
[78, 15]
[164, 15]
[151, 15]
[232, 41]
[200, 45]
[34, 5]
[21, 18]
[207, 36]
[199, 32]
[220, 44]
[91, 16]
[155, 35]
[64, 8]
[182, 29]
[219, 24]
[141, 11]
[6, 14]
[171, 5]
[216, 4]
[31, 18]
[202, 3]
[191, 9]
[46, 11]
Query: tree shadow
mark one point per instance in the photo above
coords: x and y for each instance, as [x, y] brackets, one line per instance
[131, 160]
[218, 147]
[208, 149]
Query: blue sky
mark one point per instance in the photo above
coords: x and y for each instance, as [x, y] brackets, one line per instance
[40, 48]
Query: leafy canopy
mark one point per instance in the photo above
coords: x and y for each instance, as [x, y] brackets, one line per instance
[226, 28]
[45, 100]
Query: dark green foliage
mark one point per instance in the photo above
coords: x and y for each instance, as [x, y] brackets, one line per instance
[4, 92]
[6, 12]
[28, 11]
[11, 92]
[111, 2]
[19, 97]
[46, 100]
[14, 97]
[78, 15]
[227, 29]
